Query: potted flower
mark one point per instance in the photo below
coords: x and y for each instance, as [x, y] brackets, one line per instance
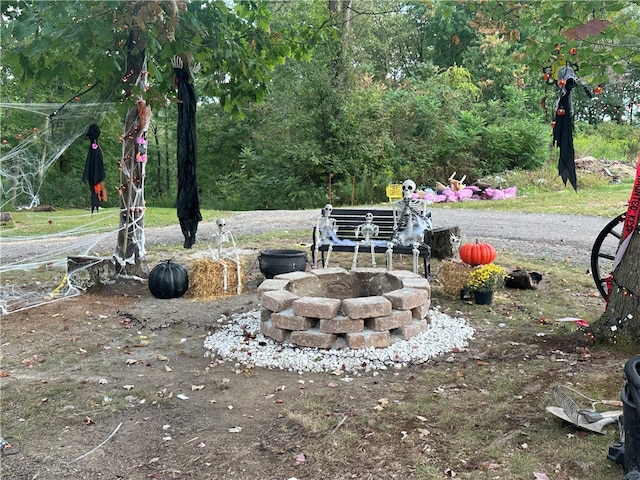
[484, 280]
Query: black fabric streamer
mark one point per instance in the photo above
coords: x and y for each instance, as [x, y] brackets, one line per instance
[188, 204]
[563, 128]
[94, 173]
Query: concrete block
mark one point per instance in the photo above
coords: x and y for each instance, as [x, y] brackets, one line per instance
[313, 338]
[288, 320]
[368, 339]
[268, 329]
[316, 307]
[366, 307]
[407, 298]
[271, 284]
[341, 324]
[396, 319]
[278, 300]
[414, 328]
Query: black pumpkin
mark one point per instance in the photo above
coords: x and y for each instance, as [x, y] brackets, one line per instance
[168, 280]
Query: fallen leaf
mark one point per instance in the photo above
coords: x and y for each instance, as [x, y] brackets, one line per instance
[421, 418]
[162, 358]
[300, 458]
[4, 374]
[87, 421]
[235, 430]
[196, 387]
[540, 476]
[131, 361]
[423, 432]
[127, 387]
[167, 368]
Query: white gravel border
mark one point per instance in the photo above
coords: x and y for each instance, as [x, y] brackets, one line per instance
[240, 340]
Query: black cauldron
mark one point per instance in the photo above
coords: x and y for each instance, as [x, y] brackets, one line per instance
[275, 262]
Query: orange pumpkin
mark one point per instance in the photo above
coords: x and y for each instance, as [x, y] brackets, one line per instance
[477, 253]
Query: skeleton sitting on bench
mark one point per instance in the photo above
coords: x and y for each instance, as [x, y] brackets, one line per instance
[221, 237]
[326, 229]
[410, 222]
[368, 229]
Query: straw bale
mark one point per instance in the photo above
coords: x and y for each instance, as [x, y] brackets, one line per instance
[206, 281]
[454, 276]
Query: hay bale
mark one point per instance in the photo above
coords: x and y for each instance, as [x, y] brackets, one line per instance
[454, 276]
[206, 281]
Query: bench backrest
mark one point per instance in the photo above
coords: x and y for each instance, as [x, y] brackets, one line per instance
[348, 219]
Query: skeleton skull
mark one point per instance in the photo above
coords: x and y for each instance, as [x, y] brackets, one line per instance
[408, 189]
[326, 211]
[369, 217]
[221, 222]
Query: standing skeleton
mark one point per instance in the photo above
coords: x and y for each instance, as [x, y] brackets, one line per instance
[410, 222]
[221, 237]
[368, 230]
[326, 229]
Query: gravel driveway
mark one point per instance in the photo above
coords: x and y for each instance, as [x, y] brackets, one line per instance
[553, 237]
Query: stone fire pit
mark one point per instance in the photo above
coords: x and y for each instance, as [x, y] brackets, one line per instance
[334, 308]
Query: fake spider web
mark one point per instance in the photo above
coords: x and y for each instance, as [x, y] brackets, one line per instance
[34, 268]
[24, 166]
[38, 274]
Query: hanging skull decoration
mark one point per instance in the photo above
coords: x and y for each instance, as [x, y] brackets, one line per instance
[408, 189]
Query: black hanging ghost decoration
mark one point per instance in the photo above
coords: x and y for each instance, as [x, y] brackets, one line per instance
[94, 173]
[563, 126]
[188, 204]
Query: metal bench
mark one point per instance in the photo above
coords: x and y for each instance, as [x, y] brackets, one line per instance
[347, 221]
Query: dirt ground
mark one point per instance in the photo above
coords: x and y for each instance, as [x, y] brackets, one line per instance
[117, 386]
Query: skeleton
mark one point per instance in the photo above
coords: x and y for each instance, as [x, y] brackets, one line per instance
[368, 229]
[221, 237]
[326, 229]
[410, 221]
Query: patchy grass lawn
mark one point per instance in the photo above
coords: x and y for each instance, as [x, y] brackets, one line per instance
[117, 366]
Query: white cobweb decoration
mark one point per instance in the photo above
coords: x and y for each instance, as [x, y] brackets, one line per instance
[24, 166]
[34, 268]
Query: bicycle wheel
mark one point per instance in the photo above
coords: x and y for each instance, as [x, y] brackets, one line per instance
[604, 251]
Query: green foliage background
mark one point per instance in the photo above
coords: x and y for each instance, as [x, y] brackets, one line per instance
[301, 104]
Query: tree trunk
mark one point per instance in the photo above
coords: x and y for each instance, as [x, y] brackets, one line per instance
[130, 251]
[622, 317]
[621, 320]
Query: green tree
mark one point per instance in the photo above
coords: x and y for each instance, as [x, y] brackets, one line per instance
[606, 39]
[119, 44]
